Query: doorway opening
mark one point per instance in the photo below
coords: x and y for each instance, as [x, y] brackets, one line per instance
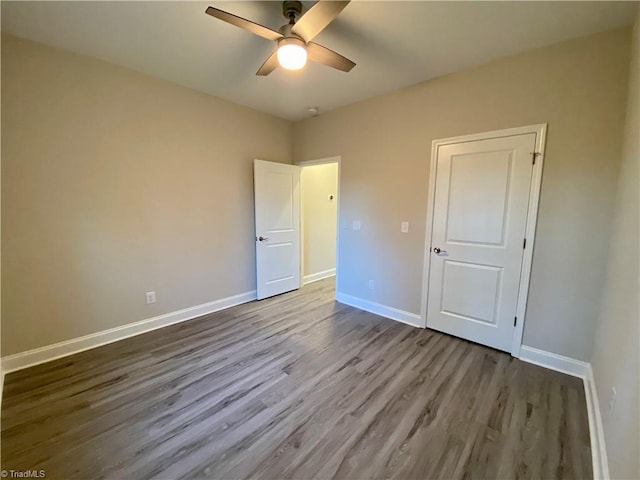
[319, 210]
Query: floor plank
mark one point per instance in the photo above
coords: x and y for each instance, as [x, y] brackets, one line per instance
[296, 386]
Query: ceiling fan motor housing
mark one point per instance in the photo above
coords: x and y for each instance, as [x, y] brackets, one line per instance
[291, 9]
[285, 30]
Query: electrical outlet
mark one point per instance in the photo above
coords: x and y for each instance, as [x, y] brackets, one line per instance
[151, 297]
[612, 398]
[356, 225]
[372, 284]
[404, 227]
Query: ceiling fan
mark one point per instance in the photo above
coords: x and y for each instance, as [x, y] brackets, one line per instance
[293, 40]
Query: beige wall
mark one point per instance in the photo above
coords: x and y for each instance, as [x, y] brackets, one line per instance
[1, 367]
[114, 184]
[616, 354]
[578, 88]
[319, 217]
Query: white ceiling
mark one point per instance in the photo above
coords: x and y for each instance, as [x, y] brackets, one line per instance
[394, 43]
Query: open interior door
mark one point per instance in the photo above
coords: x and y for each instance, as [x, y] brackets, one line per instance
[277, 216]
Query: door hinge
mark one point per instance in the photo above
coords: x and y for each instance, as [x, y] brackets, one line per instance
[524, 244]
[534, 155]
[515, 321]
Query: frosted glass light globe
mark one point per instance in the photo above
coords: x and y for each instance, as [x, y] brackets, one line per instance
[292, 55]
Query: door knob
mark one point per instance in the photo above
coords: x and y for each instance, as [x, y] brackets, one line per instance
[437, 250]
[263, 239]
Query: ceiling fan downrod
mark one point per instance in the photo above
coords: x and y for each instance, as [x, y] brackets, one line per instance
[291, 10]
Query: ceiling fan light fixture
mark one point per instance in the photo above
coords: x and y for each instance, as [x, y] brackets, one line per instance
[292, 53]
[294, 40]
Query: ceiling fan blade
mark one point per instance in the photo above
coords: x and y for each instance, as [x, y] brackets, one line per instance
[269, 65]
[323, 55]
[252, 27]
[317, 18]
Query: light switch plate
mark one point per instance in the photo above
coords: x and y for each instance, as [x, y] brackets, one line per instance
[404, 227]
[356, 225]
[151, 297]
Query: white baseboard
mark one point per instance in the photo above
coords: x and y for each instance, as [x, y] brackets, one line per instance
[596, 430]
[30, 358]
[314, 277]
[553, 361]
[577, 368]
[409, 318]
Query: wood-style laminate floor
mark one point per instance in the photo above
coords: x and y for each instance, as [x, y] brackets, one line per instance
[296, 386]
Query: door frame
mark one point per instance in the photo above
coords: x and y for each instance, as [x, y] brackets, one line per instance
[532, 216]
[309, 163]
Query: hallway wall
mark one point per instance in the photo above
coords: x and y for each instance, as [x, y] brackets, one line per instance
[319, 222]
